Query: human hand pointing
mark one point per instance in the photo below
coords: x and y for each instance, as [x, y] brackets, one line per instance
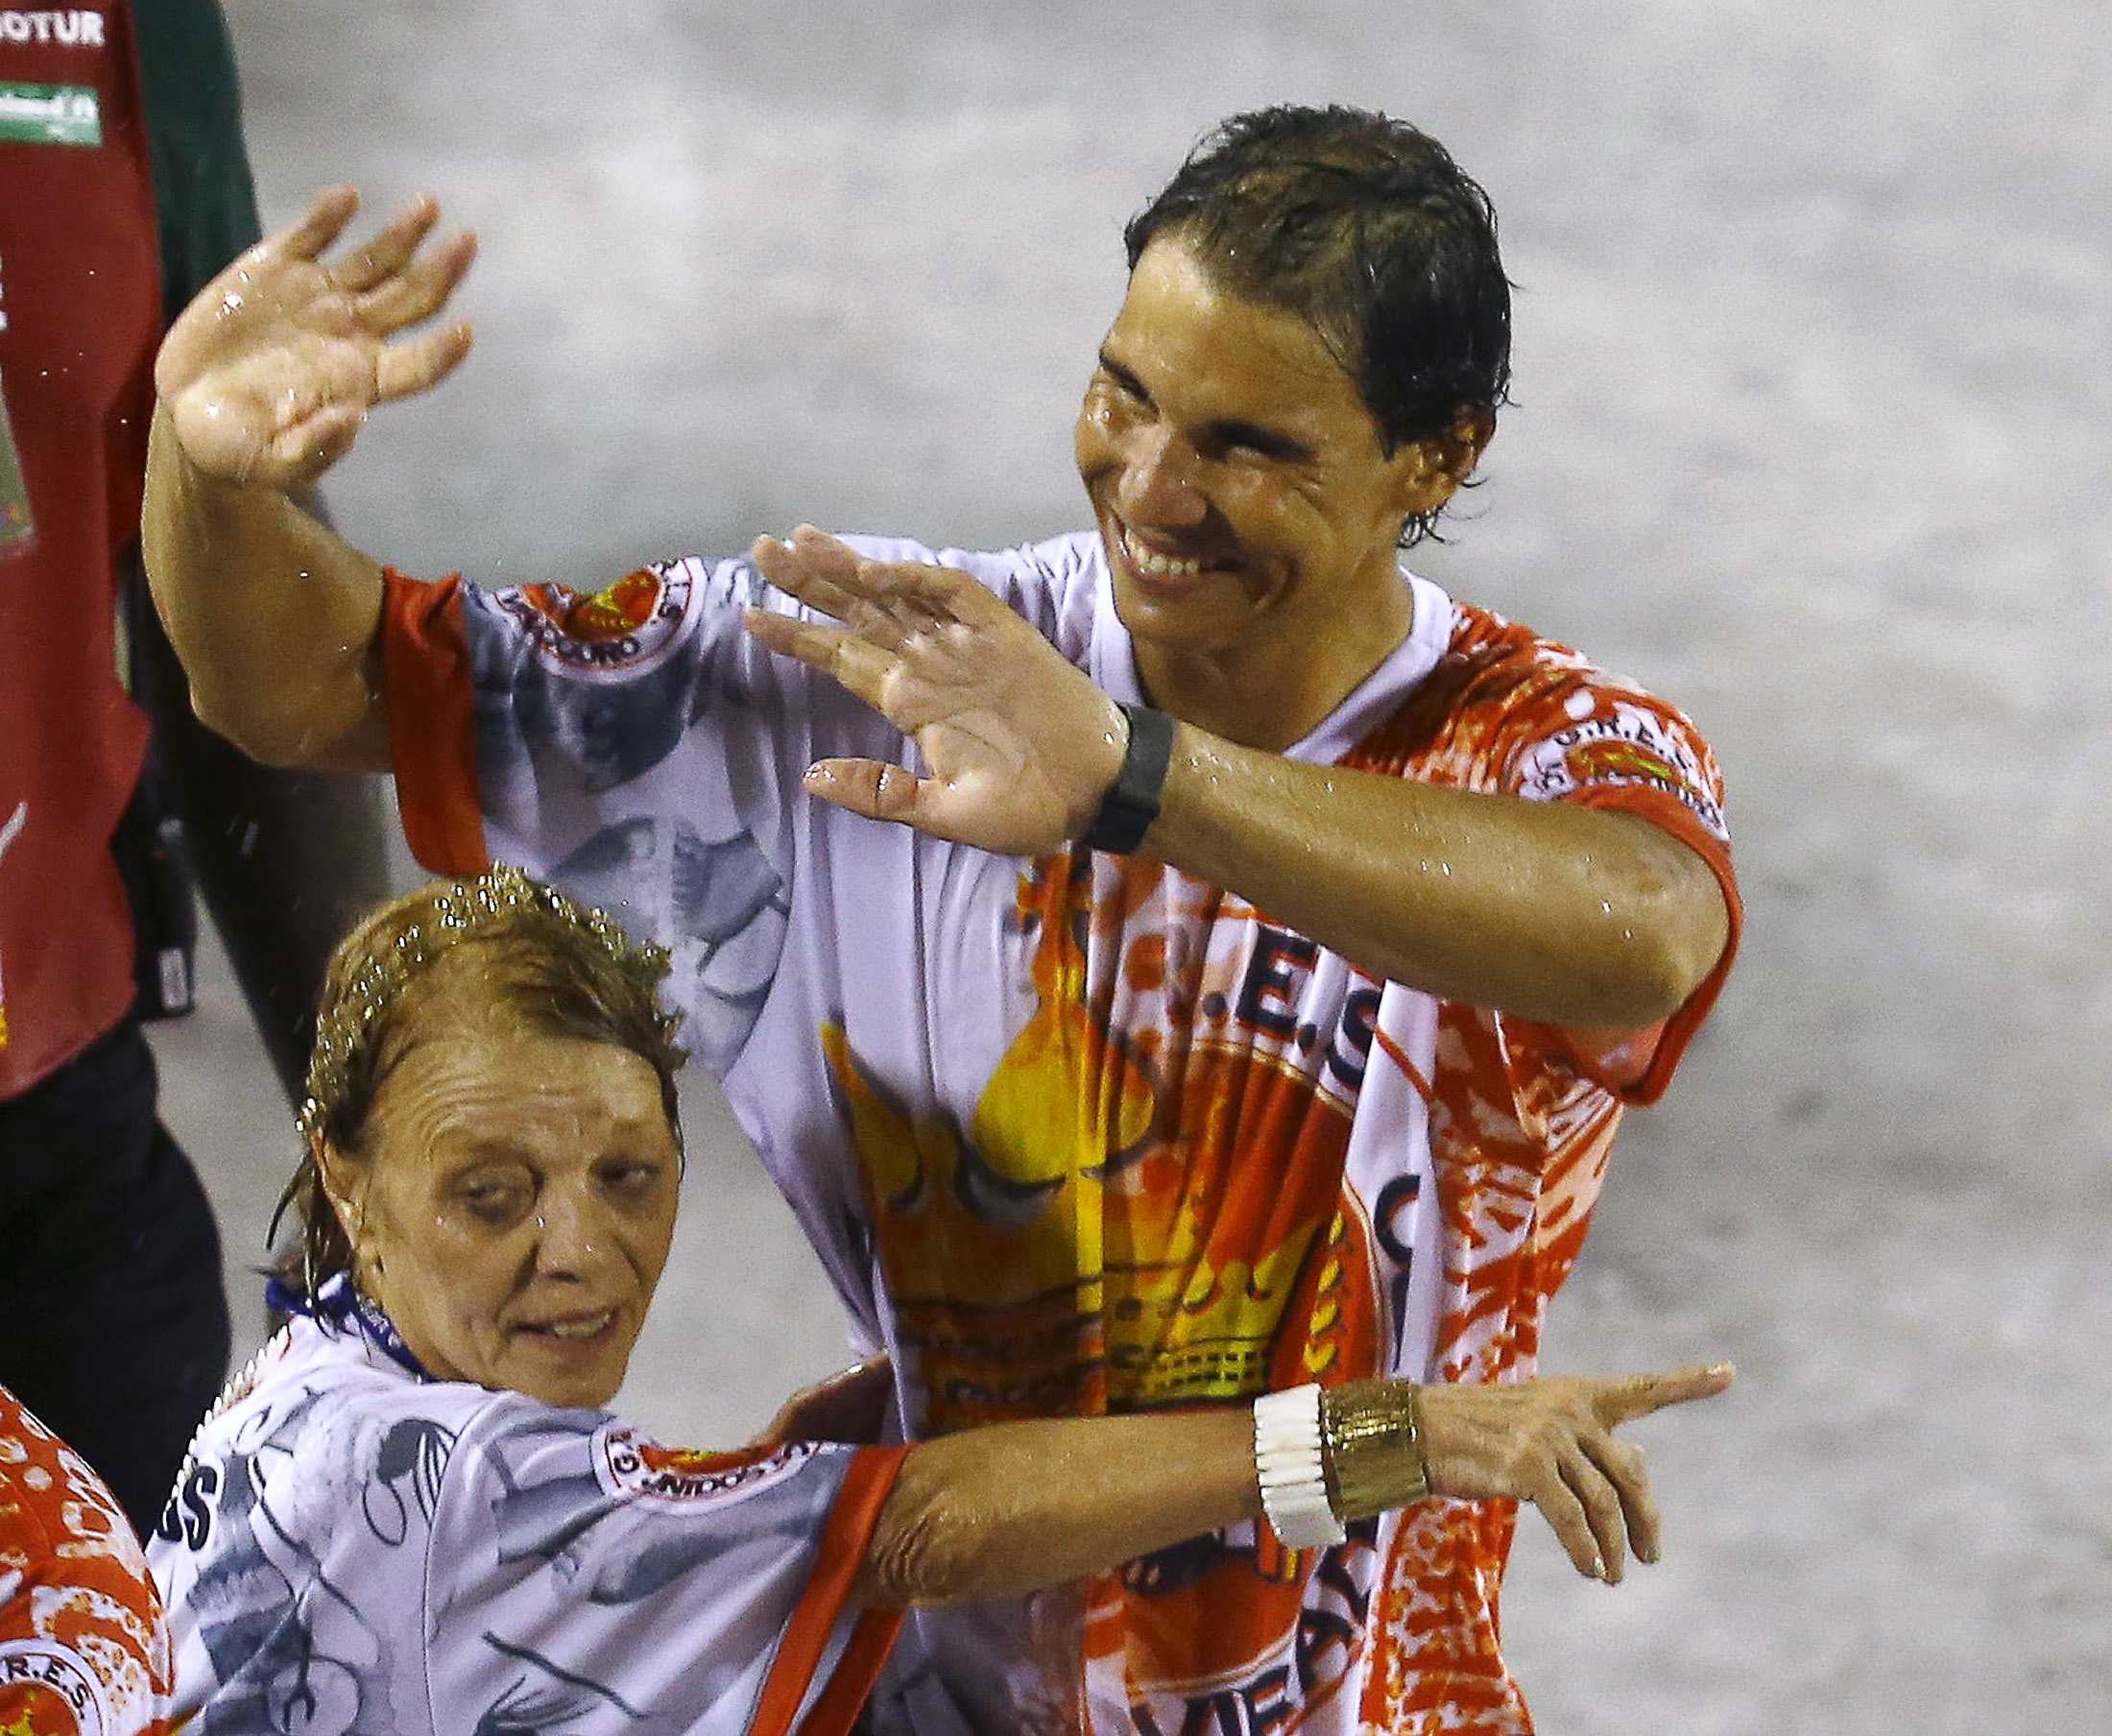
[1551, 1441]
[269, 374]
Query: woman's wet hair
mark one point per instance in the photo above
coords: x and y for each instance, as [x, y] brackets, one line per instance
[515, 947]
[1365, 228]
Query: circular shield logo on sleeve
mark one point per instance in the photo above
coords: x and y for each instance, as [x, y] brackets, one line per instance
[613, 634]
[47, 1689]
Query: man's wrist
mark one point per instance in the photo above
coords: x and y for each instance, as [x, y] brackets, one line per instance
[1132, 801]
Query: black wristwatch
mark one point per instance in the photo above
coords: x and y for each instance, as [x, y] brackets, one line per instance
[1132, 801]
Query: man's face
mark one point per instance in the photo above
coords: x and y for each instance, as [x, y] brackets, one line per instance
[1239, 481]
[520, 1194]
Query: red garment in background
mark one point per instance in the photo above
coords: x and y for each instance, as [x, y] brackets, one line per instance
[80, 288]
[82, 1644]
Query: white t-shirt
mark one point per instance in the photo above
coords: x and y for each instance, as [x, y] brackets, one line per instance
[354, 1547]
[1082, 1134]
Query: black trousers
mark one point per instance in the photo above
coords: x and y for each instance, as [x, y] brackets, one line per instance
[113, 1322]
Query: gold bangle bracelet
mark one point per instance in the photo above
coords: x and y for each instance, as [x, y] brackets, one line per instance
[1372, 1448]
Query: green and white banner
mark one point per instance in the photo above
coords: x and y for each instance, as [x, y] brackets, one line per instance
[50, 114]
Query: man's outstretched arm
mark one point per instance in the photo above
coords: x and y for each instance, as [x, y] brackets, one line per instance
[1592, 920]
[264, 383]
[1546, 910]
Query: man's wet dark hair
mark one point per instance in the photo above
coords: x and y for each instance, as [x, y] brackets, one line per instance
[1365, 229]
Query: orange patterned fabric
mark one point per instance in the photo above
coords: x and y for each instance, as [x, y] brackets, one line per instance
[1521, 1122]
[83, 1652]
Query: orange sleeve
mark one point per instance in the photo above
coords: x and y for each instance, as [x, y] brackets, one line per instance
[1578, 736]
[432, 722]
[866, 1486]
[1669, 813]
[82, 1641]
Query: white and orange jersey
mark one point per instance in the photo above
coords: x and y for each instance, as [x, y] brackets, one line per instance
[82, 1651]
[353, 1548]
[1084, 1134]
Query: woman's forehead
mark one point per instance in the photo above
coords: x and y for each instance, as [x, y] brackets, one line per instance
[483, 1082]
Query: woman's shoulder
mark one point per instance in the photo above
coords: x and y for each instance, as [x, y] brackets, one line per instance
[528, 1445]
[318, 1420]
[321, 1378]
[300, 1534]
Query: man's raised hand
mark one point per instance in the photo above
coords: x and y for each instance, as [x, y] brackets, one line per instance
[1020, 746]
[270, 372]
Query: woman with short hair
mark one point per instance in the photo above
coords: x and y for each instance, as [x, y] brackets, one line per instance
[411, 1515]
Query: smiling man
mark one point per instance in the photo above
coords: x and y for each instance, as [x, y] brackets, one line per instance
[1266, 948]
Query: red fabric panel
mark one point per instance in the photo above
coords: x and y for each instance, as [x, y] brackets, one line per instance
[843, 1542]
[80, 318]
[432, 722]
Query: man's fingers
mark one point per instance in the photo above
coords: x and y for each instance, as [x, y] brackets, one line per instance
[1559, 1506]
[403, 297]
[1623, 1400]
[388, 252]
[886, 601]
[938, 593]
[1603, 1511]
[870, 788]
[418, 364]
[304, 451]
[328, 212]
[882, 624]
[831, 558]
[794, 574]
[1626, 1469]
[792, 635]
[861, 667]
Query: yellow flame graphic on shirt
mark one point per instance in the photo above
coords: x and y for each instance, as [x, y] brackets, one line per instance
[1084, 1242]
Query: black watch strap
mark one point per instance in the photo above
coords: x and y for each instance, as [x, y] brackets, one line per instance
[1132, 801]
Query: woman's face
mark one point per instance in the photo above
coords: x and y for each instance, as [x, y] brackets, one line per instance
[513, 1209]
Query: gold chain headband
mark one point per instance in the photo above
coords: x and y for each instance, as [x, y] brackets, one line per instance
[468, 908]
